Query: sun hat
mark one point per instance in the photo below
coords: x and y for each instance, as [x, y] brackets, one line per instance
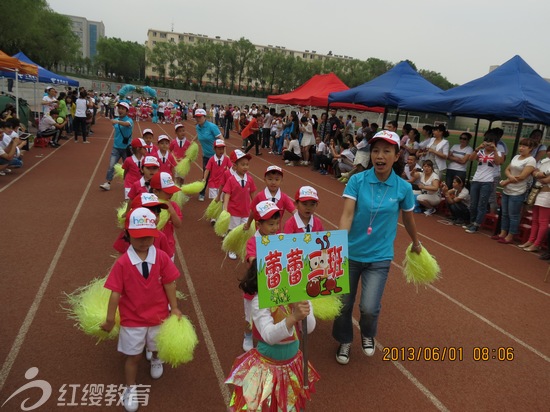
[162, 137]
[141, 222]
[163, 181]
[273, 169]
[219, 143]
[151, 161]
[139, 142]
[124, 104]
[147, 131]
[390, 137]
[237, 155]
[147, 200]
[200, 112]
[306, 193]
[264, 210]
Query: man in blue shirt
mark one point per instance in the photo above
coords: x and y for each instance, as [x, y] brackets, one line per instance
[123, 126]
[207, 133]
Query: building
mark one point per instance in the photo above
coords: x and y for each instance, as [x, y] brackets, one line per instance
[89, 32]
[158, 36]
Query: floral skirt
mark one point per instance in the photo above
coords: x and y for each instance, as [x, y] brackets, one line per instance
[267, 385]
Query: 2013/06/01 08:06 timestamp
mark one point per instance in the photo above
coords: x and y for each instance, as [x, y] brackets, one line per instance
[447, 353]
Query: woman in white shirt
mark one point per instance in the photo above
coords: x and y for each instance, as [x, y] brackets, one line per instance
[436, 149]
[79, 122]
[294, 152]
[429, 185]
[458, 159]
[482, 183]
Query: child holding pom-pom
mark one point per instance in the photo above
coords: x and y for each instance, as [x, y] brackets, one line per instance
[166, 158]
[149, 168]
[163, 186]
[238, 191]
[215, 169]
[277, 359]
[132, 165]
[178, 147]
[142, 284]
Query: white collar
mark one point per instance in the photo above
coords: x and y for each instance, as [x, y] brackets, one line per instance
[300, 223]
[269, 196]
[136, 260]
[219, 158]
[239, 178]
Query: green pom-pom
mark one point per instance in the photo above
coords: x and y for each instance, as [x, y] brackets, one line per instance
[180, 198]
[235, 241]
[121, 215]
[88, 306]
[193, 188]
[183, 167]
[222, 224]
[213, 210]
[164, 217]
[420, 269]
[327, 307]
[119, 171]
[176, 340]
[192, 152]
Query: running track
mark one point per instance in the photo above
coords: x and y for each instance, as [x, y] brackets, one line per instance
[58, 230]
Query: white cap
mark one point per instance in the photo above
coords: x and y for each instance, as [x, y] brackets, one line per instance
[390, 137]
[200, 112]
[151, 161]
[142, 222]
[264, 210]
[147, 131]
[162, 137]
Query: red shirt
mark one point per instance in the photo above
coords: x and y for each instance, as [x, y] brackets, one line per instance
[239, 201]
[138, 188]
[179, 147]
[293, 224]
[167, 162]
[247, 131]
[282, 200]
[152, 150]
[143, 302]
[121, 245]
[168, 230]
[133, 171]
[216, 177]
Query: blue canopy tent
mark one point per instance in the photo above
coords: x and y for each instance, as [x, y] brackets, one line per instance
[513, 92]
[44, 76]
[388, 90]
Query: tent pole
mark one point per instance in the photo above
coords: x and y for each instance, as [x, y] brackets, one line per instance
[518, 137]
[384, 118]
[17, 93]
[474, 146]
[406, 117]
[325, 126]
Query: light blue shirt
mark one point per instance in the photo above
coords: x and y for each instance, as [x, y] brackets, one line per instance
[207, 135]
[377, 206]
[123, 133]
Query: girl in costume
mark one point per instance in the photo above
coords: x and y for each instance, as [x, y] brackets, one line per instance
[261, 375]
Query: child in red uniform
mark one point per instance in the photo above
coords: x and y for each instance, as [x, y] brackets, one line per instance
[271, 376]
[304, 219]
[163, 186]
[166, 158]
[142, 284]
[132, 165]
[178, 147]
[149, 167]
[148, 137]
[215, 169]
[273, 178]
[238, 192]
[151, 202]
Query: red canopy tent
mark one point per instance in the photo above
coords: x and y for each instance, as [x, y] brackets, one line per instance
[315, 93]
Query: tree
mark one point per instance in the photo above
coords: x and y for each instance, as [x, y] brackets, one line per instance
[201, 54]
[125, 58]
[218, 62]
[437, 79]
[244, 50]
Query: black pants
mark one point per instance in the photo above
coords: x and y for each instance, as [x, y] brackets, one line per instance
[227, 127]
[253, 141]
[54, 134]
[320, 161]
[80, 127]
[293, 157]
[460, 211]
[266, 134]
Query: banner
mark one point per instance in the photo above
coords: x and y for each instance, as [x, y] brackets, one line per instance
[301, 266]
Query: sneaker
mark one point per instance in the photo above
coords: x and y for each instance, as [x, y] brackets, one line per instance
[466, 225]
[459, 223]
[86, 141]
[212, 222]
[248, 343]
[2, 173]
[156, 368]
[232, 255]
[7, 170]
[429, 212]
[345, 174]
[342, 355]
[105, 186]
[287, 162]
[148, 354]
[130, 399]
[201, 198]
[290, 163]
[302, 162]
[472, 229]
[368, 345]
[324, 172]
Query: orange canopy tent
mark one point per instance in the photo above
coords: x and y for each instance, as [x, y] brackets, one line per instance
[13, 64]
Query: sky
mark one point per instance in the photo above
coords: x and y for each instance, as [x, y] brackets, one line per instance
[459, 39]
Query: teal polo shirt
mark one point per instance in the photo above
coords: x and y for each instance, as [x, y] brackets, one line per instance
[380, 202]
[207, 135]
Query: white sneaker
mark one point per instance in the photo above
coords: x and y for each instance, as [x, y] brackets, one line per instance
[156, 368]
[201, 198]
[130, 399]
[345, 174]
[287, 162]
[248, 343]
[105, 186]
[342, 355]
[86, 141]
[148, 354]
[232, 255]
[429, 212]
[368, 345]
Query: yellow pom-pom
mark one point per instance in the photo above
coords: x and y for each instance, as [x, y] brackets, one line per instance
[222, 224]
[327, 307]
[192, 152]
[180, 198]
[193, 188]
[164, 217]
[88, 306]
[119, 171]
[176, 340]
[235, 241]
[420, 269]
[183, 167]
[121, 214]
[213, 210]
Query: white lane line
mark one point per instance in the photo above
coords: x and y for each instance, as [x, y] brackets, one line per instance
[20, 338]
[433, 399]
[204, 327]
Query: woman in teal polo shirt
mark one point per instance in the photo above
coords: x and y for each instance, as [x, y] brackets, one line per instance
[372, 203]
